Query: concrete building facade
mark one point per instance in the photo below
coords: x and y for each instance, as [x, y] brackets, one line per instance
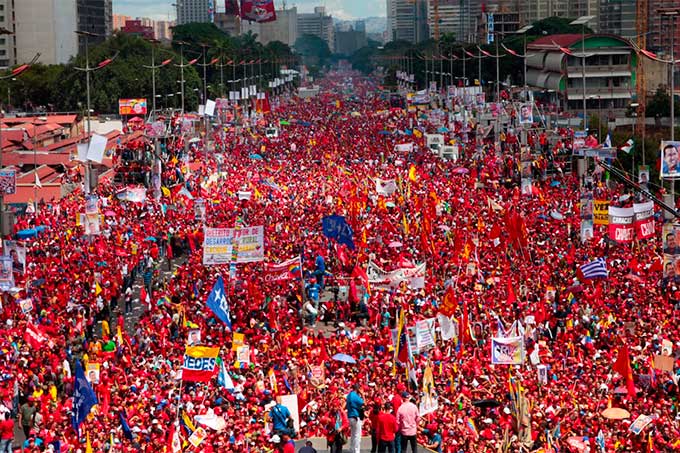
[46, 27]
[189, 11]
[318, 24]
[284, 28]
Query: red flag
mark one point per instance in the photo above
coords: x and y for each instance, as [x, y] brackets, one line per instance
[362, 275]
[511, 293]
[464, 325]
[448, 305]
[34, 336]
[18, 70]
[622, 366]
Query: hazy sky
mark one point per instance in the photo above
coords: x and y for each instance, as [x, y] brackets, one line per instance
[343, 9]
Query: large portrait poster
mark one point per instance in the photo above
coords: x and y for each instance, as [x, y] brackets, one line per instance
[670, 161]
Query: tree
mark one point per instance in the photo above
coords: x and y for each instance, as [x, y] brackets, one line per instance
[314, 49]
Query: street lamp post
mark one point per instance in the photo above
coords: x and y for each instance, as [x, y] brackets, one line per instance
[672, 14]
[582, 21]
[523, 31]
[87, 69]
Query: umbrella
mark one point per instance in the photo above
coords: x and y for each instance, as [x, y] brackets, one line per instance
[486, 404]
[622, 390]
[543, 217]
[344, 358]
[28, 233]
[194, 140]
[394, 244]
[443, 130]
[557, 215]
[109, 213]
[578, 443]
[615, 413]
[256, 157]
[150, 238]
[385, 133]
[390, 204]
[555, 184]
[461, 171]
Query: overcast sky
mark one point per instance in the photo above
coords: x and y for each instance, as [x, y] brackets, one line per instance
[342, 9]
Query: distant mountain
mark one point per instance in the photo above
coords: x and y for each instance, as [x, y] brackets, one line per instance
[373, 24]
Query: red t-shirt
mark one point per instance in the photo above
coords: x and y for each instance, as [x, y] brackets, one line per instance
[289, 447]
[386, 427]
[7, 429]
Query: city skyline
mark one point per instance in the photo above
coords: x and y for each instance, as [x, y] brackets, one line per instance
[341, 9]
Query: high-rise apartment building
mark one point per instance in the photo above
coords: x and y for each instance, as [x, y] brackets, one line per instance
[618, 17]
[46, 27]
[6, 41]
[189, 11]
[94, 16]
[661, 27]
[317, 24]
[407, 20]
[284, 28]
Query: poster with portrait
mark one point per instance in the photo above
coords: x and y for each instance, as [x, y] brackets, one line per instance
[6, 274]
[670, 236]
[92, 371]
[194, 337]
[17, 253]
[670, 161]
[91, 225]
[587, 230]
[643, 175]
[526, 114]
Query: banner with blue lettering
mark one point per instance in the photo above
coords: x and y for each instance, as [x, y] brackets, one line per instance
[336, 227]
[199, 363]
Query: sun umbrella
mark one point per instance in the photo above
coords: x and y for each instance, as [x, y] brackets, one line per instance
[578, 443]
[555, 184]
[461, 171]
[394, 244]
[557, 215]
[344, 358]
[109, 214]
[615, 413]
[256, 157]
[443, 130]
[150, 238]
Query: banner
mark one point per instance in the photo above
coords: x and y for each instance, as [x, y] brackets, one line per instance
[526, 114]
[601, 212]
[428, 401]
[448, 327]
[258, 10]
[8, 182]
[199, 363]
[380, 279]
[17, 253]
[404, 147]
[670, 159]
[132, 107]
[217, 245]
[644, 219]
[336, 227]
[385, 187]
[507, 351]
[425, 337]
[91, 204]
[250, 244]
[6, 274]
[621, 228]
[283, 271]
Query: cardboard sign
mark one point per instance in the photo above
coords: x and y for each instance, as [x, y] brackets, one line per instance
[663, 363]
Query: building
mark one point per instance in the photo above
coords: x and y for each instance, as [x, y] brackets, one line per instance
[135, 27]
[189, 11]
[348, 42]
[661, 27]
[46, 27]
[317, 24]
[7, 57]
[284, 28]
[229, 23]
[580, 8]
[94, 16]
[118, 21]
[618, 17]
[407, 20]
[609, 70]
[163, 29]
[457, 17]
[535, 10]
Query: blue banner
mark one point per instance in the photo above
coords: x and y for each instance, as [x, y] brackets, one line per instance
[335, 227]
[218, 303]
[83, 398]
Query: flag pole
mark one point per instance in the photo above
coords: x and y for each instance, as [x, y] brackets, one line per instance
[302, 292]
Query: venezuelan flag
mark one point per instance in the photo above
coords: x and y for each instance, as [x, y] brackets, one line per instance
[199, 363]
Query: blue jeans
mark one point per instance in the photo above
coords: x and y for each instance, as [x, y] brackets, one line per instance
[397, 443]
[6, 446]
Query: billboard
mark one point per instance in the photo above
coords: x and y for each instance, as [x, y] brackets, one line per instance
[132, 107]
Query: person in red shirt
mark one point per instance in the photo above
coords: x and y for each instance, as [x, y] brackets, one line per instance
[386, 429]
[287, 444]
[6, 433]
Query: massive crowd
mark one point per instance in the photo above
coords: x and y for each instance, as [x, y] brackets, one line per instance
[491, 253]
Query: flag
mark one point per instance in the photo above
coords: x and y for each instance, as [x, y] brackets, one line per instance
[119, 335]
[173, 440]
[599, 440]
[628, 147]
[186, 421]
[37, 180]
[511, 293]
[401, 349]
[199, 363]
[272, 381]
[608, 141]
[97, 289]
[258, 10]
[83, 398]
[283, 271]
[223, 378]
[336, 227]
[650, 443]
[124, 424]
[595, 269]
[88, 444]
[218, 303]
[622, 366]
[412, 175]
[470, 423]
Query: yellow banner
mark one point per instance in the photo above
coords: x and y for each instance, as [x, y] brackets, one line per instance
[601, 212]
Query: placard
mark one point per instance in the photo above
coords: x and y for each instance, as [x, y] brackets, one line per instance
[132, 107]
[8, 182]
[507, 351]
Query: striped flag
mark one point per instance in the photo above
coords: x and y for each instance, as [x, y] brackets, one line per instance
[595, 269]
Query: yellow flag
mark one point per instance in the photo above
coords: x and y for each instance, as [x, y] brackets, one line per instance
[412, 173]
[88, 444]
[272, 381]
[166, 191]
[405, 224]
[97, 289]
[119, 334]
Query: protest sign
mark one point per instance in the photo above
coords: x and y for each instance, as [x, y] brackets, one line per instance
[507, 351]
